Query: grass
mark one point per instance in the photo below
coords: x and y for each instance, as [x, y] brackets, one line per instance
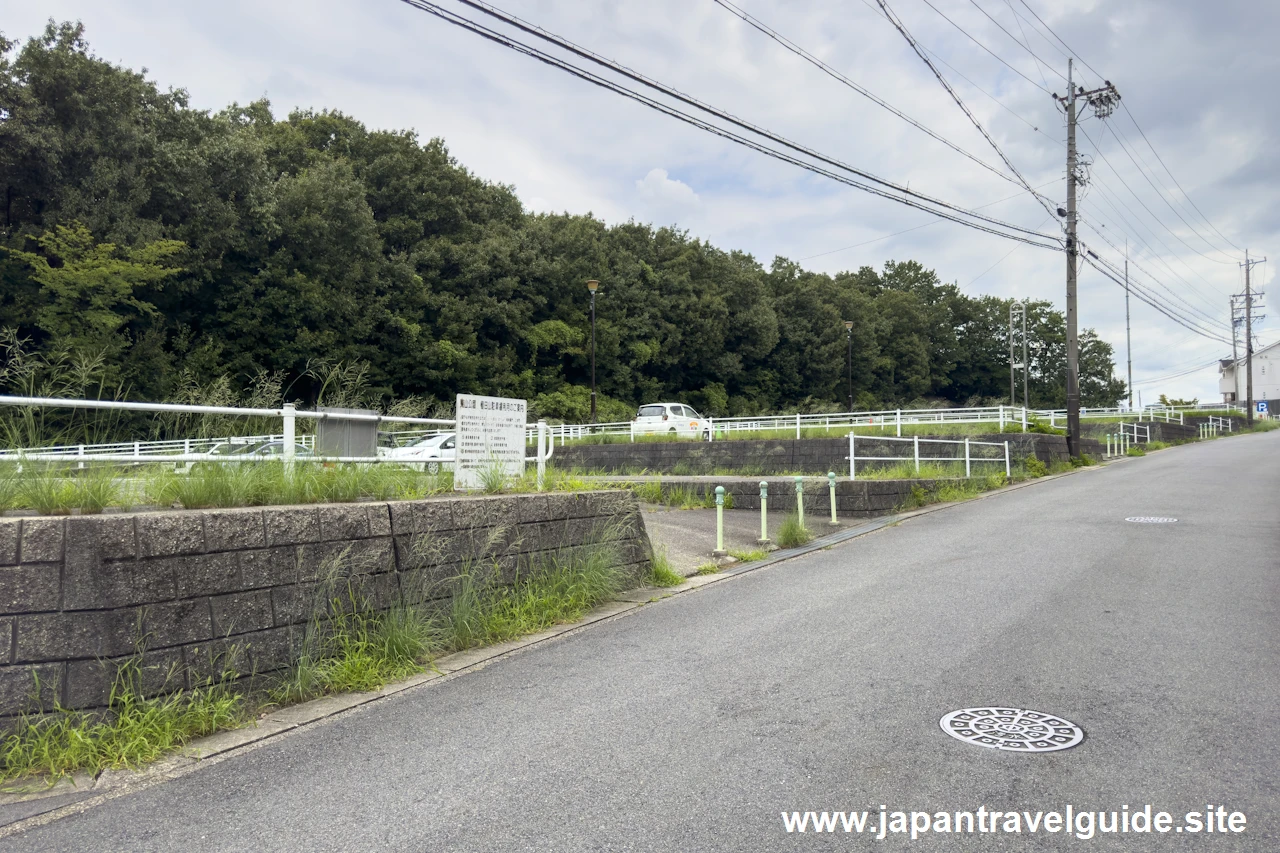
[135, 729]
[678, 495]
[661, 572]
[708, 569]
[1136, 450]
[749, 556]
[792, 534]
[269, 483]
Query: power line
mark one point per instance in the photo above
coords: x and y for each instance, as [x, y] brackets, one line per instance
[1025, 47]
[909, 197]
[902, 29]
[831, 72]
[1185, 196]
[913, 228]
[1144, 136]
[1144, 174]
[999, 58]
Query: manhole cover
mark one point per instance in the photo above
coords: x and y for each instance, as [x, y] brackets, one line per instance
[1150, 519]
[1014, 729]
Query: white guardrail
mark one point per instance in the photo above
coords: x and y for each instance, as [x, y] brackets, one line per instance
[186, 451]
[916, 441]
[175, 450]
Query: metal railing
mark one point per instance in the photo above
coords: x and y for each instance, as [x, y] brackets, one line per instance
[916, 441]
[185, 452]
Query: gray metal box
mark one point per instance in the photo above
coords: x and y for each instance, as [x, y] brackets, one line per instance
[336, 436]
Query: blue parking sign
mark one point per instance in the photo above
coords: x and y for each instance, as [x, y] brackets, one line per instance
[1262, 407]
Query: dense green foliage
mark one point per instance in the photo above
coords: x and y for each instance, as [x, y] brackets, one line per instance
[173, 253]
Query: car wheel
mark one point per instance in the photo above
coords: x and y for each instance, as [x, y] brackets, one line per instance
[433, 467]
[706, 435]
[672, 432]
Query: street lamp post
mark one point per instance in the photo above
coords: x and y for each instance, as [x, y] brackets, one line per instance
[848, 332]
[591, 286]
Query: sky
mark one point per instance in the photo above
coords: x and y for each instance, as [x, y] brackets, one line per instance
[1185, 171]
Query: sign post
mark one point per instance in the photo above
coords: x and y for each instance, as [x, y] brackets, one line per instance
[491, 438]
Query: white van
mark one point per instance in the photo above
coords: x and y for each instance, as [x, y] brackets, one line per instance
[673, 419]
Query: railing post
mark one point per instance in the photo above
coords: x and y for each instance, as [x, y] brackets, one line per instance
[831, 487]
[288, 437]
[852, 458]
[915, 444]
[711, 428]
[1008, 472]
[137, 450]
[764, 514]
[1002, 417]
[797, 424]
[966, 457]
[800, 499]
[80, 453]
[899, 423]
[1024, 418]
[720, 551]
[542, 453]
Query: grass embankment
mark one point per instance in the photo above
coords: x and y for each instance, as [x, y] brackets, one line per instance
[347, 646]
[60, 488]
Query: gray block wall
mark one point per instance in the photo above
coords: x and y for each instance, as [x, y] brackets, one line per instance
[781, 456]
[204, 590]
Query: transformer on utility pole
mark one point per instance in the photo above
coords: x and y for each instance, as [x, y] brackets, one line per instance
[1103, 100]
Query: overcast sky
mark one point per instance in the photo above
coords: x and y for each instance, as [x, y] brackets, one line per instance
[1198, 77]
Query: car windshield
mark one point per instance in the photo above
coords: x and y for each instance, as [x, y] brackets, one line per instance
[652, 411]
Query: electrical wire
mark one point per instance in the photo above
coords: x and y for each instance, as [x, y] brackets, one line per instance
[1144, 136]
[1185, 196]
[902, 29]
[908, 197]
[999, 58]
[790, 45]
[913, 228]
[1025, 47]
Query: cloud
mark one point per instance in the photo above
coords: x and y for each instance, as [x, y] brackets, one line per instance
[567, 145]
[658, 187]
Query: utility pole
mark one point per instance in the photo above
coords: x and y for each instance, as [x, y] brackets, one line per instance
[1248, 340]
[1128, 342]
[1248, 335]
[1103, 101]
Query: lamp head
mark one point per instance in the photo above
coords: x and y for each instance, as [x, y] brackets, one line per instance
[848, 325]
[592, 285]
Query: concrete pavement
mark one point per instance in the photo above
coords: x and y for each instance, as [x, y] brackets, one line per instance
[818, 684]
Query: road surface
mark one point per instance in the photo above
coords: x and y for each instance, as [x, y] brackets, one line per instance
[818, 684]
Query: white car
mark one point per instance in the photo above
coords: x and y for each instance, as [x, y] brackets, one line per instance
[675, 420]
[429, 453]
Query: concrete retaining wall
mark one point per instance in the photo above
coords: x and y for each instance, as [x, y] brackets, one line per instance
[204, 590]
[779, 456]
[854, 499]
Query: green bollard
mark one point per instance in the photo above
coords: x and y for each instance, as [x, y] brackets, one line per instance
[800, 499]
[764, 514]
[831, 487]
[720, 551]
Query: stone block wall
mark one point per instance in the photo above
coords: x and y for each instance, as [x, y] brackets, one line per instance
[206, 590]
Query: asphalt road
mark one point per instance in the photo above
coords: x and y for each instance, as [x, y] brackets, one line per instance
[818, 684]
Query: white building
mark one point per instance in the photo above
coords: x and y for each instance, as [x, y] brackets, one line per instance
[1266, 376]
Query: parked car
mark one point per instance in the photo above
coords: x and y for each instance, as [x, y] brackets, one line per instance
[674, 419]
[272, 448]
[429, 453]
